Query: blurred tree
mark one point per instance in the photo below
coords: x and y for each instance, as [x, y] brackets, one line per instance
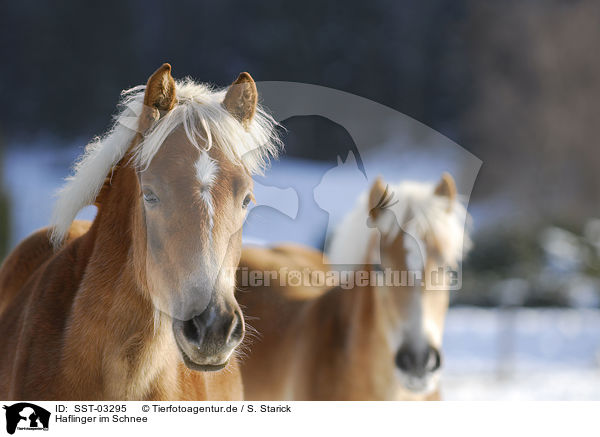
[535, 114]
[69, 60]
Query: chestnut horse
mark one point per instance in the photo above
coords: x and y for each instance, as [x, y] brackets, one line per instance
[359, 341]
[140, 304]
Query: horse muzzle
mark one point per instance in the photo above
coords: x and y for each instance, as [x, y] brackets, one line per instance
[418, 368]
[207, 341]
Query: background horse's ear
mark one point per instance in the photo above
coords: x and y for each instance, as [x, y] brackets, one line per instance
[241, 99]
[446, 188]
[376, 194]
[159, 96]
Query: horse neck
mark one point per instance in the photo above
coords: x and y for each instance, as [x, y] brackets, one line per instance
[358, 309]
[381, 308]
[353, 348]
[112, 310]
[116, 253]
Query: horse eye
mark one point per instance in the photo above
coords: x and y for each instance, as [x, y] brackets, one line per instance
[150, 197]
[246, 201]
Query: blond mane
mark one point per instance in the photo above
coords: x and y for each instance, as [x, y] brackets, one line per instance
[206, 122]
[428, 215]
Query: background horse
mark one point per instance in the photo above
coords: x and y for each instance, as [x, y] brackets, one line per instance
[127, 305]
[378, 341]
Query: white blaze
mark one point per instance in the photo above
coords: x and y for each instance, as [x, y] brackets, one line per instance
[206, 173]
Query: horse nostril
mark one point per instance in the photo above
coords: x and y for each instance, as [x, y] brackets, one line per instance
[200, 328]
[214, 329]
[236, 329]
[434, 359]
[405, 360]
[191, 332]
[418, 361]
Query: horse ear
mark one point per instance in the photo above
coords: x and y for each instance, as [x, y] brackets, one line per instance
[159, 96]
[160, 89]
[241, 99]
[375, 197]
[446, 188]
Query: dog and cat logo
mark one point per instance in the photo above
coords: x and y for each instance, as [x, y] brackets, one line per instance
[26, 416]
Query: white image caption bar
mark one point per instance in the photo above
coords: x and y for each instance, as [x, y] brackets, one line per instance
[348, 418]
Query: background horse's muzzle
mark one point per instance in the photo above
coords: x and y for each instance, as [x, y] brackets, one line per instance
[418, 361]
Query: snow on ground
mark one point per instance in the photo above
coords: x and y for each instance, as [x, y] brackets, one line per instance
[521, 354]
[555, 385]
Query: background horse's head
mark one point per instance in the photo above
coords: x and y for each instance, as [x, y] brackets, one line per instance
[421, 230]
[193, 151]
